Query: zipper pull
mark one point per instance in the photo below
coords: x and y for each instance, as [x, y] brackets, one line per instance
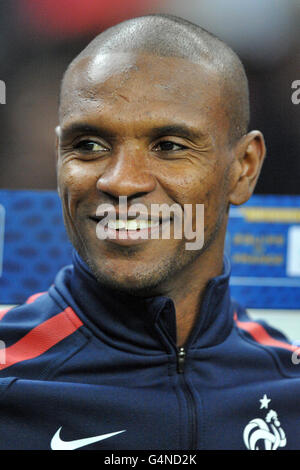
[180, 360]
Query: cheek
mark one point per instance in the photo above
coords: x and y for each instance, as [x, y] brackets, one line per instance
[199, 186]
[74, 185]
[208, 187]
[216, 204]
[190, 186]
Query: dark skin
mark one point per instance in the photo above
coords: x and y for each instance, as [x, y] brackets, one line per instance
[153, 129]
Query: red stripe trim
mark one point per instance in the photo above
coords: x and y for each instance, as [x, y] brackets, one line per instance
[41, 338]
[33, 297]
[260, 335]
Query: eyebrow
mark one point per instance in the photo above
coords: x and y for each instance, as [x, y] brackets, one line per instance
[179, 130]
[83, 128]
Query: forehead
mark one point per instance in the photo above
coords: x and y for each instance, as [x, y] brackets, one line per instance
[141, 83]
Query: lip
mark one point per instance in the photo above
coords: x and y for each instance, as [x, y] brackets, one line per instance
[125, 216]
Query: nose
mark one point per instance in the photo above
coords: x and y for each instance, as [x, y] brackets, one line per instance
[127, 175]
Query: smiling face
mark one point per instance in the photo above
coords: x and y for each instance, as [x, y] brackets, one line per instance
[152, 129]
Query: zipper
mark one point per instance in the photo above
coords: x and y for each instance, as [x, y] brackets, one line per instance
[191, 407]
[190, 401]
[181, 354]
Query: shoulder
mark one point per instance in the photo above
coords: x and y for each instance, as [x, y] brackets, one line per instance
[30, 330]
[263, 335]
[38, 309]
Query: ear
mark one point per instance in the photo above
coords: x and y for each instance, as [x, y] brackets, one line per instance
[250, 152]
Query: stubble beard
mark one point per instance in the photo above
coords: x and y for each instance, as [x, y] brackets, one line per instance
[152, 279]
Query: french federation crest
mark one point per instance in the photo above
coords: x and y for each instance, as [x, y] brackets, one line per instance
[264, 434]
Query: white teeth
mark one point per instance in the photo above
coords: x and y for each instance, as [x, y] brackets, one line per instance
[132, 224]
[116, 224]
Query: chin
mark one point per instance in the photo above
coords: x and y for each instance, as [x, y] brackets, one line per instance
[140, 282]
[136, 284]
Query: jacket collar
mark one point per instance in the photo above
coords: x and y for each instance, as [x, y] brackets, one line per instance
[144, 325]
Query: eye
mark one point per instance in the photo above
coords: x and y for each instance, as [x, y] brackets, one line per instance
[90, 146]
[168, 146]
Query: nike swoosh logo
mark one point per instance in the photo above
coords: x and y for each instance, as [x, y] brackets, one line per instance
[58, 444]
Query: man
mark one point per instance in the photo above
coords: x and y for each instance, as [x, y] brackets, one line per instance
[137, 345]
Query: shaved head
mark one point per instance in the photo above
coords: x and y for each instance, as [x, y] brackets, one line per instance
[170, 36]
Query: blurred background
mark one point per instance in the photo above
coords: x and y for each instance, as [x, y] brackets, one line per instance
[40, 37]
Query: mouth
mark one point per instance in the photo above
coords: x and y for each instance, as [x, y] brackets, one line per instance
[128, 231]
[132, 225]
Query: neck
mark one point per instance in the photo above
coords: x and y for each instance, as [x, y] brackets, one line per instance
[132, 323]
[188, 290]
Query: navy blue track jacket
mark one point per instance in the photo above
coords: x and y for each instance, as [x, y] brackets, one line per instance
[86, 368]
